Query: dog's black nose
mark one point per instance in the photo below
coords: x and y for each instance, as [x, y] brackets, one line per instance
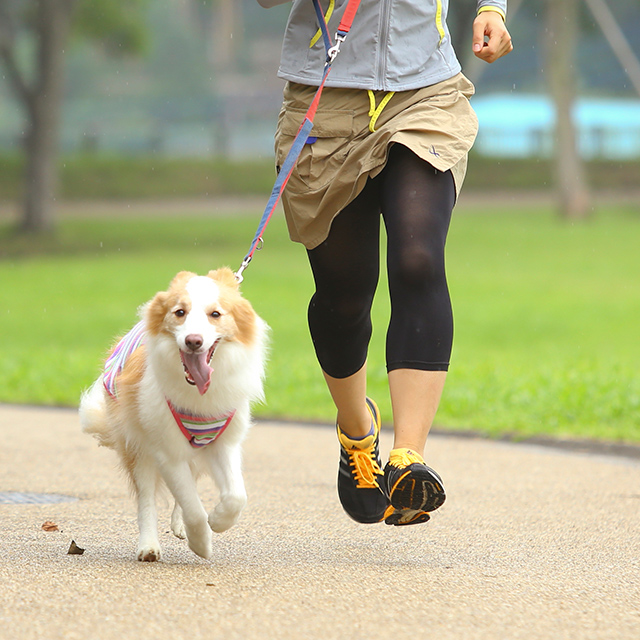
[193, 341]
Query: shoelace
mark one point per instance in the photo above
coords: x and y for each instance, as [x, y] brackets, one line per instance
[404, 457]
[365, 467]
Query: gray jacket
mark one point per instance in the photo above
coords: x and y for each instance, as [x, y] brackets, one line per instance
[394, 45]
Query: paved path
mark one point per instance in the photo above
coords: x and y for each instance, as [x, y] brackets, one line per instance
[532, 543]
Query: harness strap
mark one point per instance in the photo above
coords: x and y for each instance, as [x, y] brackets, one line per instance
[119, 356]
[199, 430]
[305, 128]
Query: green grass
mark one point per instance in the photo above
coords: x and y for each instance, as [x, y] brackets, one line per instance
[546, 315]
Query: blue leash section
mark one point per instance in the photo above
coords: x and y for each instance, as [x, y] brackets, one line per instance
[323, 25]
[303, 132]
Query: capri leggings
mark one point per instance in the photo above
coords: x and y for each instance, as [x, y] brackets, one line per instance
[415, 201]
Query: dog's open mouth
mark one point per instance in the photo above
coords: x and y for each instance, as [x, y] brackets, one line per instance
[197, 367]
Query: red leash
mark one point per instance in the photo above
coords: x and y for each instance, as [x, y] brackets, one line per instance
[305, 128]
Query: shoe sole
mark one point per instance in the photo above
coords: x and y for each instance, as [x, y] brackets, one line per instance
[403, 517]
[418, 490]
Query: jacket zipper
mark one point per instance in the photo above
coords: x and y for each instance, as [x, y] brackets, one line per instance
[381, 62]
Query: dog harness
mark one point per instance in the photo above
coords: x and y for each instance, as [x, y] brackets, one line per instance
[198, 430]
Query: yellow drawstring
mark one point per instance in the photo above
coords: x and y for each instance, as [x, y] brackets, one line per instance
[374, 112]
[326, 17]
[439, 24]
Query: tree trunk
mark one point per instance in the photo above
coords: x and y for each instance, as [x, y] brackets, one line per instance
[43, 103]
[228, 34]
[562, 29]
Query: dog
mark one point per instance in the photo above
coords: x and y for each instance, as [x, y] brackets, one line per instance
[174, 401]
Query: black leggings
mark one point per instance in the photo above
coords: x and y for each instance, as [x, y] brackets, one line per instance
[416, 201]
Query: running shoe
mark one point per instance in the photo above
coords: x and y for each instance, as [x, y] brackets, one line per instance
[413, 488]
[360, 476]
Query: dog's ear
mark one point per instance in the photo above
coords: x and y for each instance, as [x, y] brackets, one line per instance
[181, 279]
[225, 276]
[244, 315]
[155, 310]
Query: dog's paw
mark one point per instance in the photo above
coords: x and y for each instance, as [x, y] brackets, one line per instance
[149, 553]
[226, 514]
[199, 539]
[177, 524]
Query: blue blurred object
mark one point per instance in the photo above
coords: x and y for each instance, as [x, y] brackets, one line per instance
[523, 126]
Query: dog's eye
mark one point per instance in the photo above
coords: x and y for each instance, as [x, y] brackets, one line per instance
[215, 314]
[179, 313]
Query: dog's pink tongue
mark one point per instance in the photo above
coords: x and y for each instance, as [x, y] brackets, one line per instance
[199, 369]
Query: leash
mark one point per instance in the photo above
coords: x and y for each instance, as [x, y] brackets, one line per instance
[302, 135]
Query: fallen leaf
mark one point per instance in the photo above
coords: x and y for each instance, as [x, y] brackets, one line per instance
[50, 526]
[74, 549]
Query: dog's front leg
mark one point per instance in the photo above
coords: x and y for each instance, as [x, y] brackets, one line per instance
[226, 468]
[144, 477]
[179, 478]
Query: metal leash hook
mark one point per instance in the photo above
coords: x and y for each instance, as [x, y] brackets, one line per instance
[335, 50]
[243, 266]
[247, 260]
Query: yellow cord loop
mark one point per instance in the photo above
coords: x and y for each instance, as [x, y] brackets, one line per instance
[326, 18]
[374, 112]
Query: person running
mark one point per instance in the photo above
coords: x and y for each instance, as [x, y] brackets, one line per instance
[390, 141]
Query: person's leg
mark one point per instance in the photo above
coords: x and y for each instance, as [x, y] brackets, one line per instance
[345, 269]
[349, 395]
[415, 397]
[417, 204]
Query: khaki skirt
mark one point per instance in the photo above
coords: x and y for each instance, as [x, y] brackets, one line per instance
[437, 123]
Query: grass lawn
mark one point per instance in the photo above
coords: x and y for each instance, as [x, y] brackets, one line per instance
[546, 312]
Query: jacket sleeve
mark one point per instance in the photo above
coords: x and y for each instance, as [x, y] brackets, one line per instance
[496, 5]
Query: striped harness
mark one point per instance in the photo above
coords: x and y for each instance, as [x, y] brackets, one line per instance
[198, 430]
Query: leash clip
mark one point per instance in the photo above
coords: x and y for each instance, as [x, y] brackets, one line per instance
[335, 50]
[243, 266]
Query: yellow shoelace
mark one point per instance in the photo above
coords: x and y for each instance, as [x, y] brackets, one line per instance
[365, 468]
[404, 457]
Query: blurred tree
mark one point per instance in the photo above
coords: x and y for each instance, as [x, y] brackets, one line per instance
[562, 36]
[34, 35]
[227, 33]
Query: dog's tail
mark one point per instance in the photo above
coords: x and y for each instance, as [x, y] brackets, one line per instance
[93, 414]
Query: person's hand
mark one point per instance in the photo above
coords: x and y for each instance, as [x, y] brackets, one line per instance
[491, 25]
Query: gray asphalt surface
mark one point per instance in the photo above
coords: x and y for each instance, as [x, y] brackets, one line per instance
[532, 543]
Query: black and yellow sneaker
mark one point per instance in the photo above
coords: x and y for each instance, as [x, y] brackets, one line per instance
[413, 488]
[360, 476]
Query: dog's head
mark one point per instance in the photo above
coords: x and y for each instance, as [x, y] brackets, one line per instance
[200, 313]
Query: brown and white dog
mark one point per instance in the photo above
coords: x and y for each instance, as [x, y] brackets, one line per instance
[175, 402]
